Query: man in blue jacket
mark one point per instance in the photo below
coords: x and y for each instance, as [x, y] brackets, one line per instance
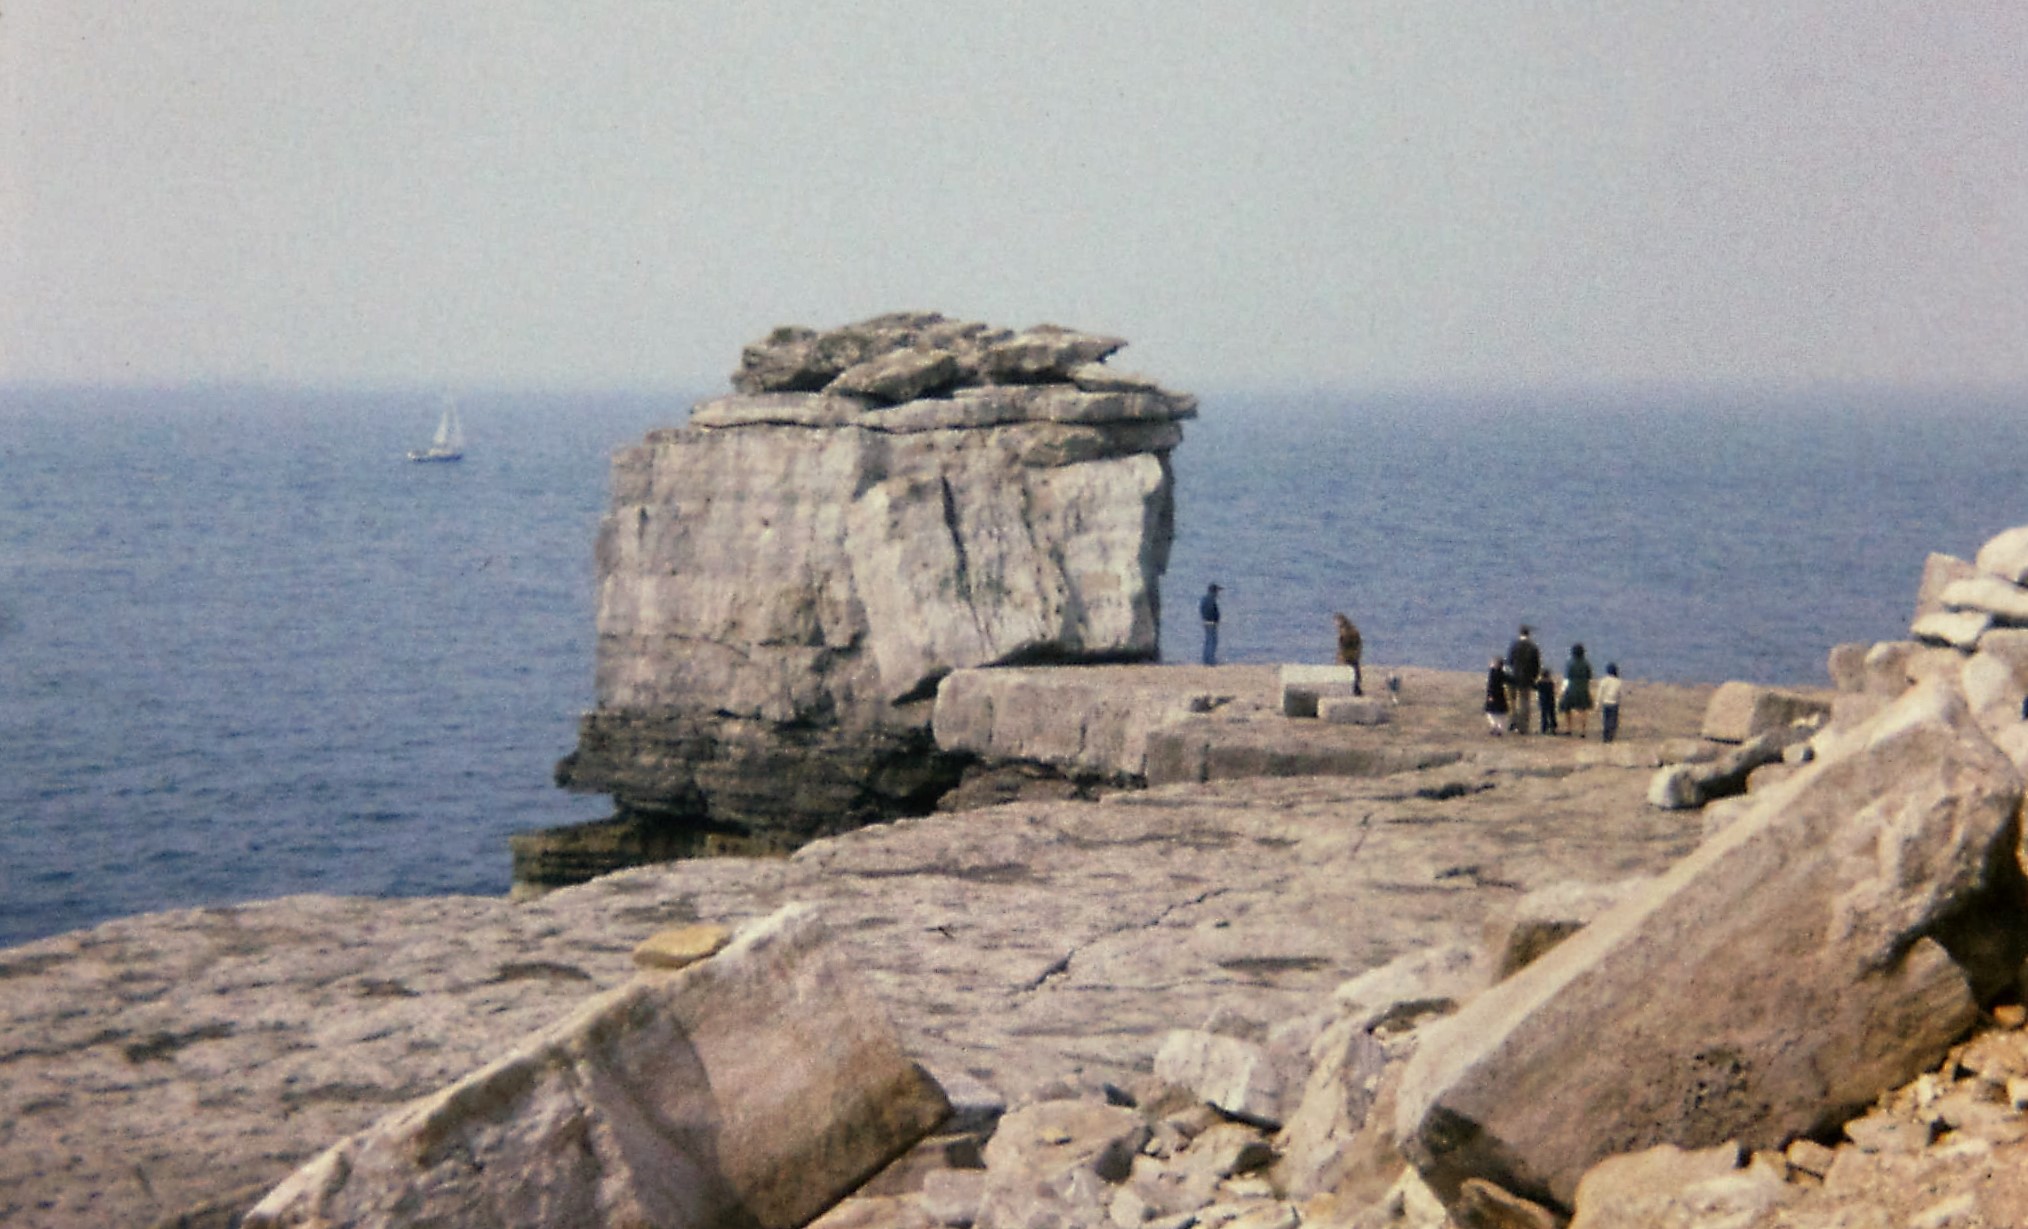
[1207, 609]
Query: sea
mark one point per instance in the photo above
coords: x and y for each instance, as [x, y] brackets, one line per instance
[248, 650]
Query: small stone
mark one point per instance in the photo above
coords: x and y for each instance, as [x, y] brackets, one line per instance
[1810, 1157]
[951, 1196]
[1266, 1216]
[1957, 1210]
[1128, 1210]
[681, 946]
[1878, 1132]
[2017, 1092]
[2010, 1015]
[1482, 1205]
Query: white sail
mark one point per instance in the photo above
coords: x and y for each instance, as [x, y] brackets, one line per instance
[448, 444]
[450, 433]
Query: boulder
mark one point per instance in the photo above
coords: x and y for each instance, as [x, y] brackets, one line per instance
[1303, 687]
[1687, 786]
[1938, 571]
[751, 1089]
[1995, 680]
[793, 359]
[1045, 353]
[1739, 711]
[1093, 721]
[1058, 1162]
[2006, 555]
[1339, 1137]
[1353, 710]
[1846, 665]
[1774, 981]
[897, 376]
[1888, 667]
[1546, 917]
[783, 582]
[1668, 1188]
[2004, 600]
[1955, 629]
[1235, 1076]
[1201, 751]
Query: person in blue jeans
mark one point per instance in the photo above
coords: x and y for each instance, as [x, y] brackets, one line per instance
[1609, 703]
[1207, 609]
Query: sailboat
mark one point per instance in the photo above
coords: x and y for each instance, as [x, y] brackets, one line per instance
[448, 444]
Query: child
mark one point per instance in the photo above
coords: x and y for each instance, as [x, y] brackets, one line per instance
[1609, 703]
[1496, 697]
[1545, 699]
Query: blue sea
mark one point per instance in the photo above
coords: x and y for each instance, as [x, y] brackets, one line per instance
[247, 650]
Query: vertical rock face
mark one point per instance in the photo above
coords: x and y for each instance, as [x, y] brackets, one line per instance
[783, 581]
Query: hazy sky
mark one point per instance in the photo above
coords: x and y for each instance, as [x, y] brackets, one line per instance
[1359, 193]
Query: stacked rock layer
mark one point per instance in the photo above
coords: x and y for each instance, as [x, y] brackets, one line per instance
[783, 582]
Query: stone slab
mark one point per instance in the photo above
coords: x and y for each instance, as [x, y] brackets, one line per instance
[754, 1088]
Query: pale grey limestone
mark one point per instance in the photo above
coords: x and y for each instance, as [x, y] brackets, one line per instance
[2006, 555]
[1802, 955]
[1955, 629]
[751, 1090]
[2004, 600]
[783, 582]
[1938, 571]
[1741, 711]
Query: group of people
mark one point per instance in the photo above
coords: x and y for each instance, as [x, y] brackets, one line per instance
[1515, 684]
[1520, 681]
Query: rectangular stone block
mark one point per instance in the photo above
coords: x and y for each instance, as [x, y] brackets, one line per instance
[1309, 675]
[1305, 699]
[1353, 710]
[1739, 711]
[754, 1088]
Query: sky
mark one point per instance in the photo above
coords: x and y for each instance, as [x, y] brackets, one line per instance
[1387, 194]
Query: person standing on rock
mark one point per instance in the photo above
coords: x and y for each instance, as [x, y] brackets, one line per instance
[1609, 703]
[1496, 698]
[1524, 665]
[1349, 645]
[1577, 690]
[1545, 700]
[1207, 609]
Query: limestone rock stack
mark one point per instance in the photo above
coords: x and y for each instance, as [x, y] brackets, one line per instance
[783, 581]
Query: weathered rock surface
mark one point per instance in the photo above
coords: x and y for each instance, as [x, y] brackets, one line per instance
[1938, 572]
[1813, 955]
[156, 1063]
[783, 582]
[754, 1088]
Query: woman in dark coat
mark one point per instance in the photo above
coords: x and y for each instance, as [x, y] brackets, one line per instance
[1577, 690]
[1496, 697]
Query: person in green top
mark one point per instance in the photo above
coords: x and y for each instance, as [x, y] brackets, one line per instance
[1576, 703]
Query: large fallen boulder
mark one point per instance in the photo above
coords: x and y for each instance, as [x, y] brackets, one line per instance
[751, 1089]
[1823, 947]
